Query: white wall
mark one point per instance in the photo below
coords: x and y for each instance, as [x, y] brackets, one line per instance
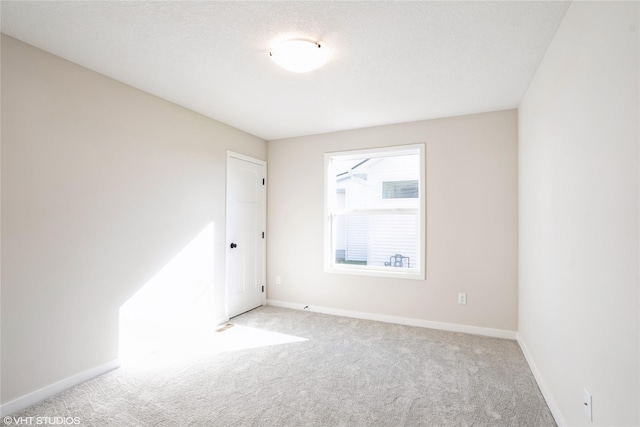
[471, 178]
[579, 215]
[102, 186]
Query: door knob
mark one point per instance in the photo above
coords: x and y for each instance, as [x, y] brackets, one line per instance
[233, 245]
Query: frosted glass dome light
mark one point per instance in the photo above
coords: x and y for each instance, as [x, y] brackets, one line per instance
[299, 56]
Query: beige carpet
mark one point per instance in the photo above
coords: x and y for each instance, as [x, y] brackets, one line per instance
[308, 369]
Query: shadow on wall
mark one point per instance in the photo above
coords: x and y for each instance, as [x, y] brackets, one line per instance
[174, 307]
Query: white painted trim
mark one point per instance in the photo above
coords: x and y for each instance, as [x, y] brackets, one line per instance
[452, 327]
[246, 158]
[55, 388]
[542, 385]
[220, 321]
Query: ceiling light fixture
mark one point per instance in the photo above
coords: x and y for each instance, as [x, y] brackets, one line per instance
[299, 56]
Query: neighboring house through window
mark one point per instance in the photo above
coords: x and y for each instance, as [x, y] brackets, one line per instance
[375, 211]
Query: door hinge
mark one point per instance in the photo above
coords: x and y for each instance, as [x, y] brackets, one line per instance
[263, 289]
[263, 234]
[262, 181]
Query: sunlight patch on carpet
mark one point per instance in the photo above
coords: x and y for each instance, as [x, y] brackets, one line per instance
[200, 343]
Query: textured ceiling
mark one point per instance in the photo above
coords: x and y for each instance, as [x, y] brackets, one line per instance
[390, 62]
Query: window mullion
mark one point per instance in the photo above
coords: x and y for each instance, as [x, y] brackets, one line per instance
[380, 211]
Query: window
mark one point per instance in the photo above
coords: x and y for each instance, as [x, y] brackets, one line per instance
[400, 189]
[375, 212]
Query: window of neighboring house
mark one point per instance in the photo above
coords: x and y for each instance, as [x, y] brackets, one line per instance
[375, 212]
[400, 189]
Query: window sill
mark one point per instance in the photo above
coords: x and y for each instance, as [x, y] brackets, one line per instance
[377, 272]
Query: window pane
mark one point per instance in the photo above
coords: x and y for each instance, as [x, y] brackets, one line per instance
[381, 240]
[375, 183]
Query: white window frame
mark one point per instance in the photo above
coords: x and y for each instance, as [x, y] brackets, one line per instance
[330, 212]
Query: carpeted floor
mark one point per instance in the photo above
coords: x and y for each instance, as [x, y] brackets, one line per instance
[309, 369]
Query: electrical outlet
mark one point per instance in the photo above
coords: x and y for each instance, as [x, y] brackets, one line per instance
[278, 280]
[462, 298]
[588, 410]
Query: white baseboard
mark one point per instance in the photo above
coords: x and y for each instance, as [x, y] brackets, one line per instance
[55, 388]
[546, 393]
[453, 327]
[220, 321]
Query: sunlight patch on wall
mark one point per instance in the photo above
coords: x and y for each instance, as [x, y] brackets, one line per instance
[175, 304]
[171, 318]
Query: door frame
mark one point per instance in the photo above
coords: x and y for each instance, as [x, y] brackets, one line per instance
[238, 156]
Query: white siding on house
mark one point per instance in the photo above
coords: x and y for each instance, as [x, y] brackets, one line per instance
[357, 233]
[391, 235]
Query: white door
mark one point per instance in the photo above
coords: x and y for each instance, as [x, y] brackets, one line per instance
[246, 213]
